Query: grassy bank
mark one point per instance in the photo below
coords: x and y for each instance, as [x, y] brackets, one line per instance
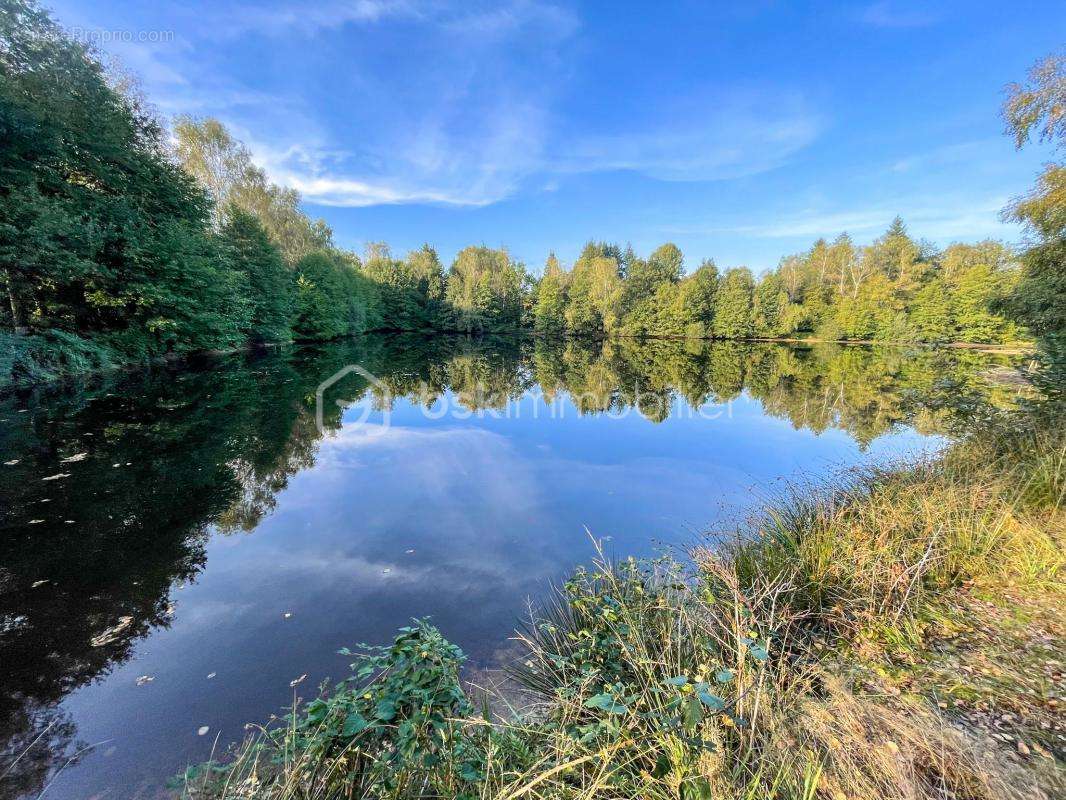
[894, 637]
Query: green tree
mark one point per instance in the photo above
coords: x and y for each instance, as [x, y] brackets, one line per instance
[592, 307]
[770, 307]
[930, 314]
[224, 167]
[267, 279]
[1039, 298]
[549, 313]
[696, 295]
[332, 297]
[101, 236]
[485, 290]
[733, 305]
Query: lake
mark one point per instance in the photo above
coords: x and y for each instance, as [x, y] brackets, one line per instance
[188, 548]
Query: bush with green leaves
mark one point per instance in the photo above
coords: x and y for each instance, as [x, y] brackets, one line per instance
[394, 728]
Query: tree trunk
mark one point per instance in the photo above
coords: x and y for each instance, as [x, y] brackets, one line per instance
[18, 319]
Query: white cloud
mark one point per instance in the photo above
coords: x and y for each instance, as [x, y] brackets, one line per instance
[455, 104]
[948, 219]
[445, 157]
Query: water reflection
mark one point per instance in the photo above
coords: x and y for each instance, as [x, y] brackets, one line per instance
[112, 494]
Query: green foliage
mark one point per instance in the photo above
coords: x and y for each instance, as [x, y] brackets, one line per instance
[103, 236]
[333, 298]
[1039, 298]
[411, 291]
[266, 278]
[770, 307]
[100, 234]
[51, 356]
[733, 305]
[223, 166]
[393, 729]
[549, 312]
[594, 282]
[486, 290]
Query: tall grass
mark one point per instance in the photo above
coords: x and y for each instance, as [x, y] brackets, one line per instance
[740, 672]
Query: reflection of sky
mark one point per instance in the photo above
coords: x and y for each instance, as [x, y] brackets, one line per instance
[493, 510]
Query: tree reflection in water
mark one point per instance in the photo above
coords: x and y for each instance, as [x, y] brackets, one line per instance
[88, 561]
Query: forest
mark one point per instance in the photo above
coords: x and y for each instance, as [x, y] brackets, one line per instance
[125, 239]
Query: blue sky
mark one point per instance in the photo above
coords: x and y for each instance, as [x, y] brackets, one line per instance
[739, 130]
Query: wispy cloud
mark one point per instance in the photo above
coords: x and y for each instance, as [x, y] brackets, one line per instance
[442, 159]
[287, 18]
[981, 152]
[945, 220]
[707, 137]
[445, 102]
[891, 15]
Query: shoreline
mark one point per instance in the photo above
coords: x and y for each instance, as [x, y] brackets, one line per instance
[182, 360]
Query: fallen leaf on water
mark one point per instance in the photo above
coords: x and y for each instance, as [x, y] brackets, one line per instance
[11, 463]
[35, 584]
[297, 680]
[72, 459]
[57, 476]
[210, 675]
[409, 552]
[202, 731]
[141, 681]
[111, 633]
[36, 521]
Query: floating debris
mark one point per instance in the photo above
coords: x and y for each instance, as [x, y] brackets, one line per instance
[298, 680]
[202, 730]
[210, 675]
[409, 552]
[68, 522]
[386, 571]
[141, 681]
[36, 521]
[11, 463]
[111, 634]
[35, 584]
[57, 476]
[287, 614]
[72, 459]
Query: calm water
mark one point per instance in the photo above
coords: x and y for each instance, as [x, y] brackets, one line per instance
[201, 529]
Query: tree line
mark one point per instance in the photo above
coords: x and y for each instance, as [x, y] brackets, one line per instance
[895, 289]
[120, 243]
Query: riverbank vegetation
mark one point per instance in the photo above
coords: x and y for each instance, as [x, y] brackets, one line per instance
[123, 241]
